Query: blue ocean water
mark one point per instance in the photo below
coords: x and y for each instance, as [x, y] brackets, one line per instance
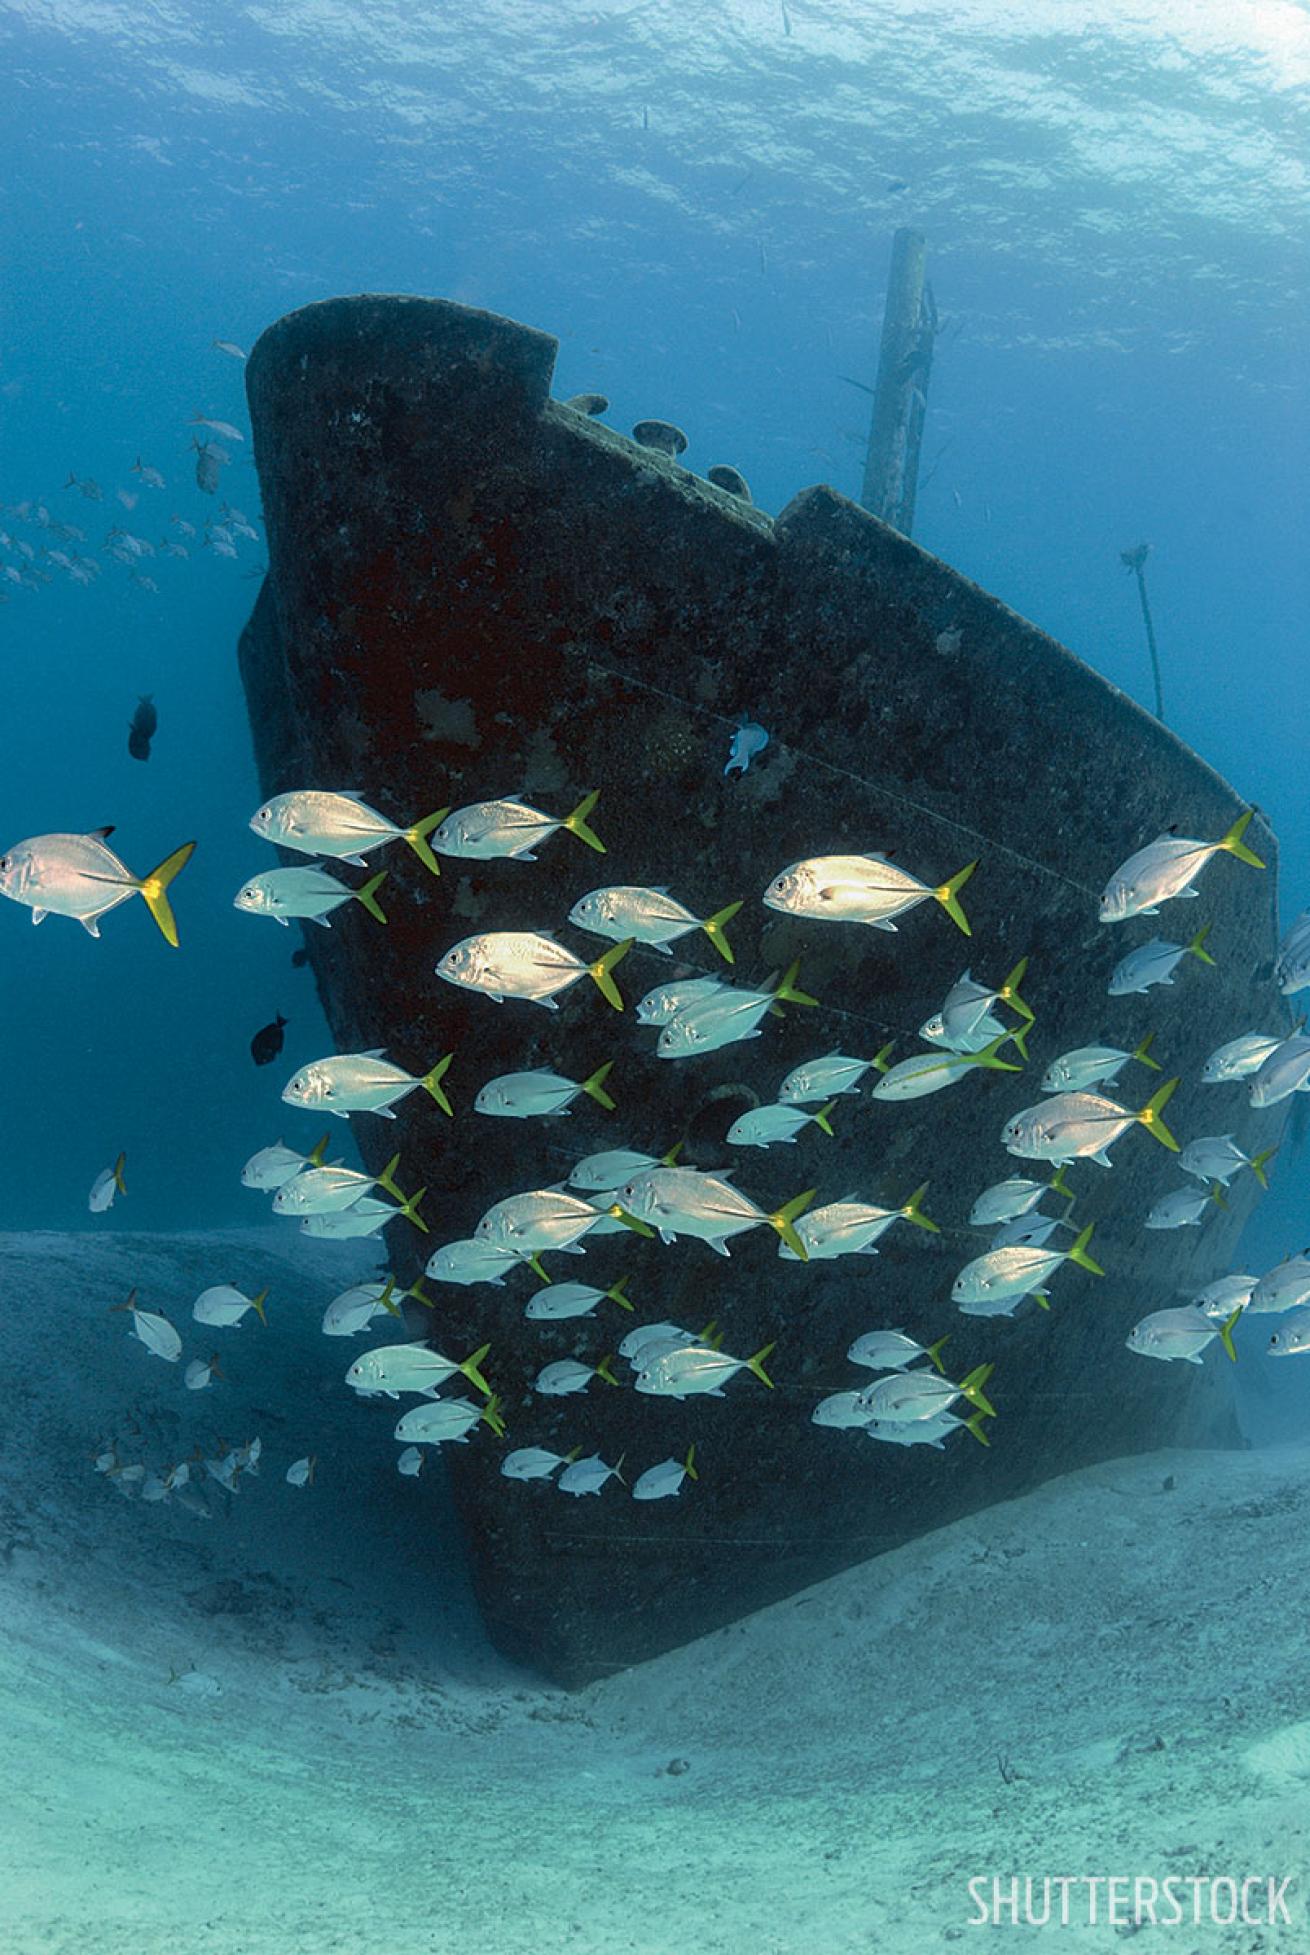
[699, 200]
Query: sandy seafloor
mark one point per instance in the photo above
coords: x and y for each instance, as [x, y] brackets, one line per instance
[279, 1730]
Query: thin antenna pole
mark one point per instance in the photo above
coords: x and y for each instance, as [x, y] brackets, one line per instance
[1135, 560]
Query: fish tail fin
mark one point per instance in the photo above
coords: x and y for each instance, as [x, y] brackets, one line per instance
[617, 1469]
[617, 1292]
[1217, 1195]
[974, 1424]
[1233, 844]
[1018, 1038]
[667, 1160]
[417, 837]
[121, 1184]
[472, 1370]
[935, 1353]
[990, 1056]
[689, 1463]
[384, 1301]
[881, 1061]
[420, 1295]
[1197, 946]
[713, 928]
[431, 1083]
[821, 1118]
[387, 1178]
[1009, 991]
[368, 895]
[1226, 1332]
[257, 1305]
[1149, 1117]
[574, 1452]
[783, 1218]
[410, 1210]
[320, 1148]
[756, 1364]
[1059, 1186]
[972, 1388]
[154, 888]
[595, 1086]
[535, 1265]
[913, 1213]
[604, 1371]
[1142, 1054]
[785, 991]
[949, 897]
[491, 1413]
[1256, 1164]
[1078, 1254]
[602, 972]
[576, 823]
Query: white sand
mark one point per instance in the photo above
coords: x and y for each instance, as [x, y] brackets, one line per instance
[1104, 1677]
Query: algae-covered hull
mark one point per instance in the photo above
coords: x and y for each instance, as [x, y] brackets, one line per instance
[476, 591]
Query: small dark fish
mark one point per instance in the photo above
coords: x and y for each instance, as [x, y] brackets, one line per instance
[300, 958]
[207, 476]
[142, 727]
[267, 1042]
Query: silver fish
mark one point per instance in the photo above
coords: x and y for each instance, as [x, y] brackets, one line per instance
[342, 826]
[79, 876]
[1095, 1065]
[587, 1475]
[494, 830]
[526, 964]
[893, 1350]
[1183, 1208]
[309, 894]
[852, 1227]
[362, 1082]
[1284, 1072]
[1217, 1157]
[665, 1481]
[395, 1368]
[649, 916]
[1155, 963]
[861, 889]
[1239, 1058]
[1166, 868]
[1284, 1287]
[1078, 1126]
[526, 1096]
[1180, 1334]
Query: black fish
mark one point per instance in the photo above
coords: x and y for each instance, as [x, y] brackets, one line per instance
[141, 727]
[267, 1043]
[300, 958]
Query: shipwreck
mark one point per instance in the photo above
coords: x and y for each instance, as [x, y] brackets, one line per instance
[475, 590]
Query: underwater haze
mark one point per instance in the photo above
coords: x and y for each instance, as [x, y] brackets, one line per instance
[276, 1724]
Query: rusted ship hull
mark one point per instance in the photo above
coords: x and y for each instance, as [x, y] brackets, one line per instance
[476, 591]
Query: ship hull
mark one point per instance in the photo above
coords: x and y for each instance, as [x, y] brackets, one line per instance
[475, 591]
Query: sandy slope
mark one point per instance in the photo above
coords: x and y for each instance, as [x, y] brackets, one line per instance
[278, 1730]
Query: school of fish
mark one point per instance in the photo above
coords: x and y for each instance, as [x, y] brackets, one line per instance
[905, 1396]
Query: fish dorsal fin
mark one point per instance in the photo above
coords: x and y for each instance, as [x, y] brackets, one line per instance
[100, 834]
[374, 1052]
